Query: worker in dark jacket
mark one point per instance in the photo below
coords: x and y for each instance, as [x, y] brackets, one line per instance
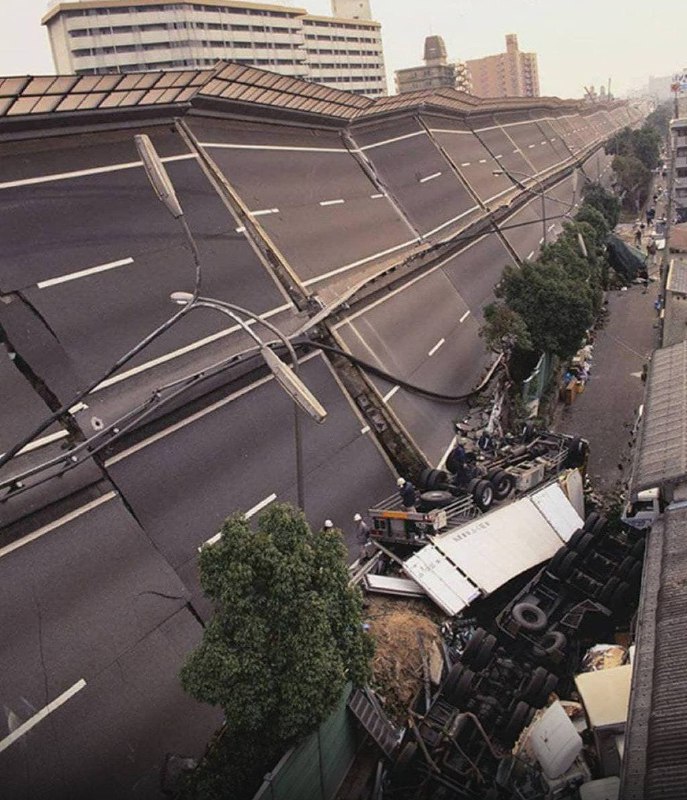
[407, 492]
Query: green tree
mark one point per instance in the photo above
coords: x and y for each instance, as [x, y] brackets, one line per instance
[285, 637]
[556, 306]
[659, 119]
[603, 201]
[634, 179]
[504, 329]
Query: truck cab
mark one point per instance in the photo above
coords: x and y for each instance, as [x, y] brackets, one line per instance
[642, 512]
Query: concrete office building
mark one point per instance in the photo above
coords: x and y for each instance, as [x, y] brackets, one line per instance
[105, 36]
[678, 129]
[509, 74]
[436, 73]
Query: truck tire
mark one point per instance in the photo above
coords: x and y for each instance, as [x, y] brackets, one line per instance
[516, 721]
[473, 646]
[577, 452]
[555, 563]
[402, 769]
[529, 617]
[423, 482]
[502, 483]
[486, 650]
[568, 564]
[462, 689]
[452, 679]
[483, 495]
[637, 549]
[584, 544]
[590, 520]
[607, 591]
[535, 683]
[436, 499]
[575, 538]
[625, 566]
[619, 596]
[550, 685]
[553, 640]
[529, 432]
[634, 577]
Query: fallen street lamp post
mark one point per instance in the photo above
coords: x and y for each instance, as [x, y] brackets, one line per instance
[160, 181]
[287, 377]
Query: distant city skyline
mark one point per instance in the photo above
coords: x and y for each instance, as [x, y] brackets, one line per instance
[577, 46]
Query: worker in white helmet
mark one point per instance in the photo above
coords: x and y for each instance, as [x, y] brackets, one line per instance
[407, 492]
[328, 525]
[362, 534]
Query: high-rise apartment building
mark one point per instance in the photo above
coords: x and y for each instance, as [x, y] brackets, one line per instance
[101, 36]
[509, 74]
[436, 73]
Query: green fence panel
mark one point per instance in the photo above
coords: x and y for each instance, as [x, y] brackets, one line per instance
[315, 769]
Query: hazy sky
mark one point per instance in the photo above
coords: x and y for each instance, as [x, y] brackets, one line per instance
[579, 42]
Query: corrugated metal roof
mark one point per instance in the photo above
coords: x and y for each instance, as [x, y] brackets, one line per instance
[677, 277]
[655, 762]
[661, 453]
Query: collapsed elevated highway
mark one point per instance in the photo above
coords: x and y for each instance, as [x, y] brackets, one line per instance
[378, 226]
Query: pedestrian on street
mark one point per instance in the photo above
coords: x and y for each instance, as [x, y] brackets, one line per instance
[362, 535]
[407, 492]
[328, 525]
[638, 236]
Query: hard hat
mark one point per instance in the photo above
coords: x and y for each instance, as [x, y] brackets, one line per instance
[328, 523]
[357, 518]
[400, 482]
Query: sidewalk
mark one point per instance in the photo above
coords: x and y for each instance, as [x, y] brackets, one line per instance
[606, 411]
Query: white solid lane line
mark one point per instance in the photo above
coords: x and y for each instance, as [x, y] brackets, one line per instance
[189, 348]
[331, 202]
[390, 394]
[449, 221]
[431, 177]
[465, 316]
[72, 276]
[250, 513]
[25, 727]
[226, 146]
[58, 523]
[436, 347]
[80, 173]
[38, 443]
[391, 141]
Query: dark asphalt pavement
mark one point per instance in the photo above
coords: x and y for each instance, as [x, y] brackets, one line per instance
[605, 412]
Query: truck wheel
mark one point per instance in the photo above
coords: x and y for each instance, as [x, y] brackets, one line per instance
[607, 591]
[591, 520]
[635, 575]
[403, 766]
[436, 499]
[584, 544]
[637, 549]
[517, 721]
[452, 679]
[483, 495]
[568, 564]
[529, 432]
[461, 691]
[502, 483]
[575, 538]
[555, 563]
[529, 617]
[535, 683]
[619, 596]
[549, 686]
[423, 483]
[625, 566]
[486, 649]
[473, 646]
[577, 452]
[553, 640]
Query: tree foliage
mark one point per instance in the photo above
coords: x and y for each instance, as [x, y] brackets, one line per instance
[637, 154]
[556, 306]
[285, 637]
[504, 329]
[603, 201]
[659, 119]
